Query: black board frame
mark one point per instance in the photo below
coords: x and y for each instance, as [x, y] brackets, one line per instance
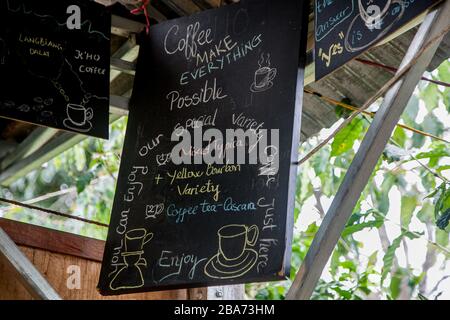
[294, 142]
[74, 101]
[352, 57]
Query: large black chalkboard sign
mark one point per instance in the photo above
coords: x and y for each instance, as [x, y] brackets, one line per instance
[54, 64]
[346, 28]
[188, 225]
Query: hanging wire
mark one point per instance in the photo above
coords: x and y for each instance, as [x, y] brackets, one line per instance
[394, 70]
[372, 114]
[52, 212]
[143, 8]
[135, 7]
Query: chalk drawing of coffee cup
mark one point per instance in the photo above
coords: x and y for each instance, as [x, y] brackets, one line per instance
[264, 76]
[235, 256]
[78, 118]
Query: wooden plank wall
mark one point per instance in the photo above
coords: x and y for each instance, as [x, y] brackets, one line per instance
[54, 252]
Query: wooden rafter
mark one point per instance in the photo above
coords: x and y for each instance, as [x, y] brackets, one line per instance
[420, 54]
[24, 270]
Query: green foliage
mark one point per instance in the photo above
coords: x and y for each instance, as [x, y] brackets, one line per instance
[443, 220]
[346, 138]
[422, 297]
[396, 282]
[438, 151]
[389, 257]
[343, 112]
[347, 277]
[83, 179]
[430, 95]
[400, 136]
[359, 222]
[408, 206]
[442, 205]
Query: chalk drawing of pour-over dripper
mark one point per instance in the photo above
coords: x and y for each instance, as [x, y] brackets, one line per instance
[130, 275]
[264, 76]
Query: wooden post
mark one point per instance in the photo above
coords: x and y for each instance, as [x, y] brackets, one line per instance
[368, 154]
[26, 273]
[226, 292]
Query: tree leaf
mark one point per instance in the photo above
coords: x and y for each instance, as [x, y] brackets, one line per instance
[320, 162]
[447, 99]
[399, 136]
[388, 259]
[432, 125]
[418, 139]
[437, 152]
[412, 235]
[443, 168]
[343, 293]
[395, 285]
[432, 194]
[422, 297]
[430, 95]
[383, 195]
[444, 72]
[443, 220]
[296, 214]
[377, 223]
[442, 237]
[349, 265]
[346, 138]
[441, 200]
[411, 111]
[84, 181]
[408, 206]
[426, 214]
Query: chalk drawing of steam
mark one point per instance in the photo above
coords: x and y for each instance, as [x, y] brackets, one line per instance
[264, 75]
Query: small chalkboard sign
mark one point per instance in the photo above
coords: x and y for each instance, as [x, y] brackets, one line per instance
[54, 64]
[232, 70]
[345, 29]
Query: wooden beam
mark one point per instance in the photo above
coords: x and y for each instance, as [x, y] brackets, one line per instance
[123, 66]
[125, 26]
[6, 147]
[33, 142]
[368, 154]
[56, 146]
[24, 270]
[119, 105]
[28, 235]
[155, 14]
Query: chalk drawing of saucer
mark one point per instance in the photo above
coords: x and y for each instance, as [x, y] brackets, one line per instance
[254, 88]
[218, 268]
[358, 21]
[84, 128]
